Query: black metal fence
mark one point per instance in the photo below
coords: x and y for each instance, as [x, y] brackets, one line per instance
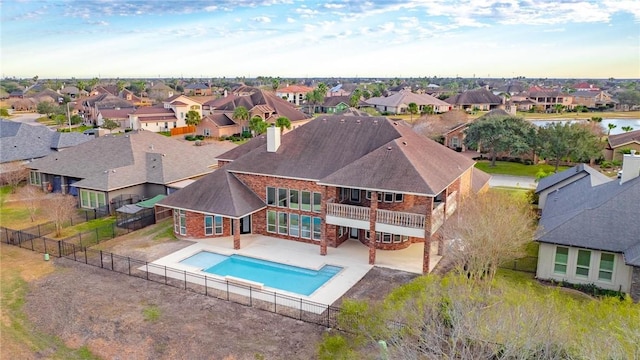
[526, 264]
[229, 289]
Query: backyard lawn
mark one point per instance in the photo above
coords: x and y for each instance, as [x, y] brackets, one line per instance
[516, 169]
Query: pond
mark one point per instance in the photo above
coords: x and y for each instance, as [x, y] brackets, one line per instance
[619, 123]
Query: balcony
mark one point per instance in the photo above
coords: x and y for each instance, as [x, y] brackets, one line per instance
[395, 222]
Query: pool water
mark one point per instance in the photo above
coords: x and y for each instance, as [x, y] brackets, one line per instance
[275, 275]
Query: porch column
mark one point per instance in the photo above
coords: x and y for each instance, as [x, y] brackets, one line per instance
[440, 238]
[236, 234]
[426, 258]
[323, 214]
[373, 212]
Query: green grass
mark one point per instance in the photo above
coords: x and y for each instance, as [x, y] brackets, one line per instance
[164, 230]
[515, 169]
[514, 191]
[151, 313]
[104, 226]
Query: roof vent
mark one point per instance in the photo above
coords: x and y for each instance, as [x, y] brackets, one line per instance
[375, 121]
[341, 120]
[395, 123]
[389, 148]
[358, 121]
[404, 143]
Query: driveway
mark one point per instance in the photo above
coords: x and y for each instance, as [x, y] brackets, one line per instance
[26, 117]
[512, 181]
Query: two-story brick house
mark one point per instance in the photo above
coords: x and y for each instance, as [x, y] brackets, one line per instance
[337, 178]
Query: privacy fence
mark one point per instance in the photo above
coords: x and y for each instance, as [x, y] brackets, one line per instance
[77, 248]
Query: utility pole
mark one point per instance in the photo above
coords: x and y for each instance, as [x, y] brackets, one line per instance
[69, 116]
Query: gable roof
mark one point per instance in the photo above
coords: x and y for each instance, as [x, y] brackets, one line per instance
[250, 97]
[602, 217]
[295, 89]
[25, 142]
[354, 151]
[219, 119]
[335, 100]
[596, 177]
[476, 96]
[112, 162]
[624, 138]
[406, 97]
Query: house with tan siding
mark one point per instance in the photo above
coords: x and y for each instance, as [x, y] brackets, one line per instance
[336, 179]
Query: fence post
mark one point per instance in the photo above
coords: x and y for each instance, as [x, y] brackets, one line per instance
[129, 263]
[85, 254]
[59, 248]
[112, 268]
[328, 315]
[113, 230]
[275, 302]
[185, 279]
[165, 274]
[227, 290]
[250, 296]
[45, 244]
[206, 288]
[146, 265]
[300, 318]
[101, 263]
[74, 252]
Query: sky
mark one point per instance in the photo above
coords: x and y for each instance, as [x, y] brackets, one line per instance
[299, 39]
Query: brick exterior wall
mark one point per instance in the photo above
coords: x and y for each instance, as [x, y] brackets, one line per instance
[634, 291]
[195, 226]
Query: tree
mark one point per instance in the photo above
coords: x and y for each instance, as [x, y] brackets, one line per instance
[611, 126]
[497, 134]
[629, 97]
[120, 84]
[322, 88]
[558, 108]
[137, 86]
[46, 108]
[275, 84]
[109, 125]
[283, 122]
[82, 85]
[241, 115]
[313, 98]
[193, 118]
[481, 243]
[627, 128]
[59, 209]
[32, 197]
[563, 140]
[12, 174]
[257, 125]
[413, 109]
[93, 82]
[428, 110]
[354, 100]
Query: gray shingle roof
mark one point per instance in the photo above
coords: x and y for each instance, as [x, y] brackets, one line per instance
[624, 138]
[596, 177]
[602, 217]
[476, 96]
[219, 193]
[406, 97]
[25, 142]
[113, 162]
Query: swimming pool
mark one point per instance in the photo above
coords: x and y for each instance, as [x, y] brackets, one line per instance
[295, 279]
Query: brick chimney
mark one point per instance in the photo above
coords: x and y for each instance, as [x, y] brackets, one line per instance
[630, 167]
[273, 138]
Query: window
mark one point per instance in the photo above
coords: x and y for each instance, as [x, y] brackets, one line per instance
[386, 238]
[180, 222]
[388, 197]
[317, 202]
[355, 195]
[282, 223]
[92, 199]
[582, 266]
[399, 198]
[367, 195]
[560, 263]
[208, 225]
[271, 196]
[294, 225]
[282, 197]
[606, 267]
[305, 229]
[218, 225]
[294, 199]
[34, 178]
[207, 132]
[306, 201]
[271, 221]
[344, 194]
[317, 228]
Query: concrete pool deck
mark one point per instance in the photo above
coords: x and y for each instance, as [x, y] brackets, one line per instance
[352, 256]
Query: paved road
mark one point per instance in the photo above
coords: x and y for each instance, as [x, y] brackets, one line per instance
[27, 118]
[512, 181]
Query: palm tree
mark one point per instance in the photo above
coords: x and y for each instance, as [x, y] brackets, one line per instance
[413, 109]
[283, 122]
[627, 128]
[596, 119]
[257, 125]
[193, 118]
[611, 127]
[558, 108]
[240, 115]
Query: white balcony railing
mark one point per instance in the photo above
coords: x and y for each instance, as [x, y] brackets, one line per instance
[398, 218]
[348, 211]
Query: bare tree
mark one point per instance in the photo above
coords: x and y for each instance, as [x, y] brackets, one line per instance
[13, 174]
[489, 229]
[32, 197]
[59, 208]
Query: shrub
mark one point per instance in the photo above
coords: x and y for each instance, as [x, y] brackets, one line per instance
[199, 137]
[528, 162]
[606, 164]
[616, 162]
[189, 137]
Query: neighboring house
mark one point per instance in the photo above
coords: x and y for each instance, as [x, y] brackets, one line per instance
[592, 99]
[549, 184]
[16, 94]
[338, 90]
[590, 234]
[333, 105]
[398, 103]
[21, 143]
[136, 100]
[181, 105]
[160, 91]
[621, 142]
[584, 86]
[121, 116]
[477, 99]
[172, 114]
[138, 164]
[90, 107]
[294, 94]
[258, 102]
[71, 91]
[197, 90]
[454, 137]
[336, 179]
[547, 99]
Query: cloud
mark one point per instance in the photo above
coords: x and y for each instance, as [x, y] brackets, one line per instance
[334, 6]
[291, 20]
[305, 11]
[99, 23]
[262, 19]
